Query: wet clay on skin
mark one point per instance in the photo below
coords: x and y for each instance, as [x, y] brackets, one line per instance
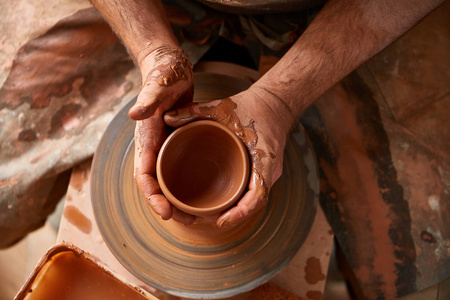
[174, 70]
[224, 113]
[149, 134]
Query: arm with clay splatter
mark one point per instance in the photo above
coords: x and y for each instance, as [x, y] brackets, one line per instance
[343, 35]
[167, 81]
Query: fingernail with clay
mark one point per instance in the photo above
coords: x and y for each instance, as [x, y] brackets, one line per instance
[224, 221]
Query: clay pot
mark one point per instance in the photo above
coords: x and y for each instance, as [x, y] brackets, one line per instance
[203, 168]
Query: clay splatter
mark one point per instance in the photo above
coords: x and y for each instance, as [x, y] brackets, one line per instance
[78, 219]
[224, 113]
[27, 135]
[313, 271]
[78, 179]
[173, 69]
[428, 237]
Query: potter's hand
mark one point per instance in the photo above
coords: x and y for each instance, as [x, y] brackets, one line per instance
[167, 83]
[263, 126]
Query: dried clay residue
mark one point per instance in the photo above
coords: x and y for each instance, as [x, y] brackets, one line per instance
[373, 218]
[27, 135]
[176, 66]
[428, 237]
[66, 118]
[313, 271]
[78, 219]
[75, 52]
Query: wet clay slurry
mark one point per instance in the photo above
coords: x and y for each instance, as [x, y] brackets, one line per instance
[224, 113]
[76, 218]
[174, 70]
[146, 135]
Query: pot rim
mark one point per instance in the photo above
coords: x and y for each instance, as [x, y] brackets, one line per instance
[197, 211]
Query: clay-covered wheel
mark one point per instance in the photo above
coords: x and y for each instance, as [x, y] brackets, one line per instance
[201, 261]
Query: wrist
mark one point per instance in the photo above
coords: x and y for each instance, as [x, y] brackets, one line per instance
[164, 56]
[276, 104]
[141, 25]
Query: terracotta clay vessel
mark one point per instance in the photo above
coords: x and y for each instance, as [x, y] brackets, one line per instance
[203, 168]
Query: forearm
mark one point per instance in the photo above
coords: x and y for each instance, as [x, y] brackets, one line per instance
[343, 35]
[141, 24]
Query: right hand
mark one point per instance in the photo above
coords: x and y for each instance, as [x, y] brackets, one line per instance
[262, 123]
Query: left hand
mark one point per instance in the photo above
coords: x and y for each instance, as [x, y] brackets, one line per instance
[167, 83]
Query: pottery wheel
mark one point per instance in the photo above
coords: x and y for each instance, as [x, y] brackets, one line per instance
[200, 261]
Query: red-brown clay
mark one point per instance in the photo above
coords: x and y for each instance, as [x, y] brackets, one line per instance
[313, 271]
[67, 273]
[225, 113]
[203, 168]
[77, 219]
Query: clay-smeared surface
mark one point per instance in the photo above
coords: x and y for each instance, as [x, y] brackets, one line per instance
[385, 186]
[380, 254]
[63, 87]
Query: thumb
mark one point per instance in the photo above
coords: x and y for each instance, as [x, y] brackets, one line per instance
[146, 104]
[188, 113]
